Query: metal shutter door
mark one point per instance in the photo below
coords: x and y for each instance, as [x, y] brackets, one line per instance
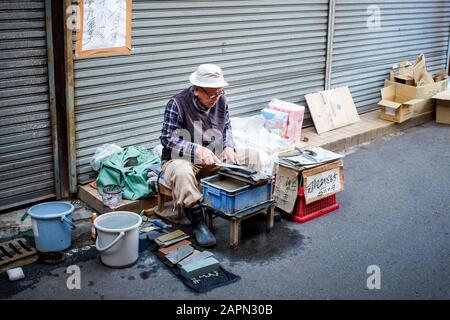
[26, 153]
[266, 48]
[362, 57]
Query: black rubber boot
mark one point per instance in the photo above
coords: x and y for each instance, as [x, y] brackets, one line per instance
[203, 236]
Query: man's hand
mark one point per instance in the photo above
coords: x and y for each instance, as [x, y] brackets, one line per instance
[206, 156]
[228, 155]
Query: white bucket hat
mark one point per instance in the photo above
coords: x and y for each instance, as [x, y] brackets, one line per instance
[208, 76]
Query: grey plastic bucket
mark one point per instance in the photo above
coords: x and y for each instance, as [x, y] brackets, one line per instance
[118, 238]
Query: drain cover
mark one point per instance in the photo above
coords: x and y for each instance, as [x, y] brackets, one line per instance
[14, 250]
[51, 257]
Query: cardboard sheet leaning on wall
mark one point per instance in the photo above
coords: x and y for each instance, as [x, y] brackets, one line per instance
[332, 109]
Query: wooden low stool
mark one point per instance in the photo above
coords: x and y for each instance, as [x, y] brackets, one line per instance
[235, 221]
[165, 195]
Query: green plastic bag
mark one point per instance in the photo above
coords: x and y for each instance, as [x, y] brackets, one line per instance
[128, 169]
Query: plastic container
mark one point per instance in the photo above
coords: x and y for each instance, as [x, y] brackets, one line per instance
[52, 225]
[304, 212]
[230, 196]
[118, 238]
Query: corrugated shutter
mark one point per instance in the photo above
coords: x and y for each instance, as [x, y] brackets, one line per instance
[266, 48]
[362, 56]
[26, 156]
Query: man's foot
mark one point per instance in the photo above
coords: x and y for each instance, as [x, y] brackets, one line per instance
[202, 234]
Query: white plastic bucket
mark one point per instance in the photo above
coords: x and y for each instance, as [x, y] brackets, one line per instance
[118, 238]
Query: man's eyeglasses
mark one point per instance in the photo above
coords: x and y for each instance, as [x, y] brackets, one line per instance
[215, 96]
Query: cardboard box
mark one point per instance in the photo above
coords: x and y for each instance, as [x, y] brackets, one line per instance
[421, 92]
[323, 181]
[425, 93]
[404, 79]
[443, 107]
[395, 106]
[275, 121]
[415, 74]
[419, 68]
[403, 69]
[295, 118]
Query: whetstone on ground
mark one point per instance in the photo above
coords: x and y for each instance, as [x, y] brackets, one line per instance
[198, 268]
[197, 255]
[179, 254]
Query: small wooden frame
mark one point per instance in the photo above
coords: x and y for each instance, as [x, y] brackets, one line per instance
[235, 222]
[80, 52]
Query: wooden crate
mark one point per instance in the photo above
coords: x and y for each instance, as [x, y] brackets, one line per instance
[89, 194]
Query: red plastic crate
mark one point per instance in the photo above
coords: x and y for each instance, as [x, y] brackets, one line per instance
[304, 212]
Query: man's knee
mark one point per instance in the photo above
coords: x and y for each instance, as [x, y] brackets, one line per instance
[178, 169]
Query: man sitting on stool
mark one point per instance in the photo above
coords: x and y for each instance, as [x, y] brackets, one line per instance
[196, 136]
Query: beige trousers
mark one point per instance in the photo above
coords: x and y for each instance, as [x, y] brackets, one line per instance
[182, 175]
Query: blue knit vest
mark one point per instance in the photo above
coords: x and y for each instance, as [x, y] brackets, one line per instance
[204, 127]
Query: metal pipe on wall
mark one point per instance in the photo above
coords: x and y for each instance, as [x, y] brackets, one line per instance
[52, 97]
[70, 100]
[330, 39]
[447, 66]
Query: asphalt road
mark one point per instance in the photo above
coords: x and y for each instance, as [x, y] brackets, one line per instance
[394, 214]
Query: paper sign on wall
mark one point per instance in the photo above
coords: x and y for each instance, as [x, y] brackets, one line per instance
[105, 28]
[332, 109]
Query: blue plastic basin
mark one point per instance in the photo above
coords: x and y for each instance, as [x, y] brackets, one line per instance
[232, 200]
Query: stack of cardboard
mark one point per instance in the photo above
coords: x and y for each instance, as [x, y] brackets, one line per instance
[295, 113]
[409, 90]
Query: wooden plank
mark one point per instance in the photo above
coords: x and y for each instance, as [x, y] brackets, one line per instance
[209, 219]
[234, 232]
[270, 217]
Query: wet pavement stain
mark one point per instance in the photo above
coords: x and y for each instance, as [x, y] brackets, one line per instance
[132, 278]
[256, 245]
[146, 274]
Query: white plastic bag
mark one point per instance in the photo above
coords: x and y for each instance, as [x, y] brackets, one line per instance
[250, 133]
[101, 153]
[158, 150]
